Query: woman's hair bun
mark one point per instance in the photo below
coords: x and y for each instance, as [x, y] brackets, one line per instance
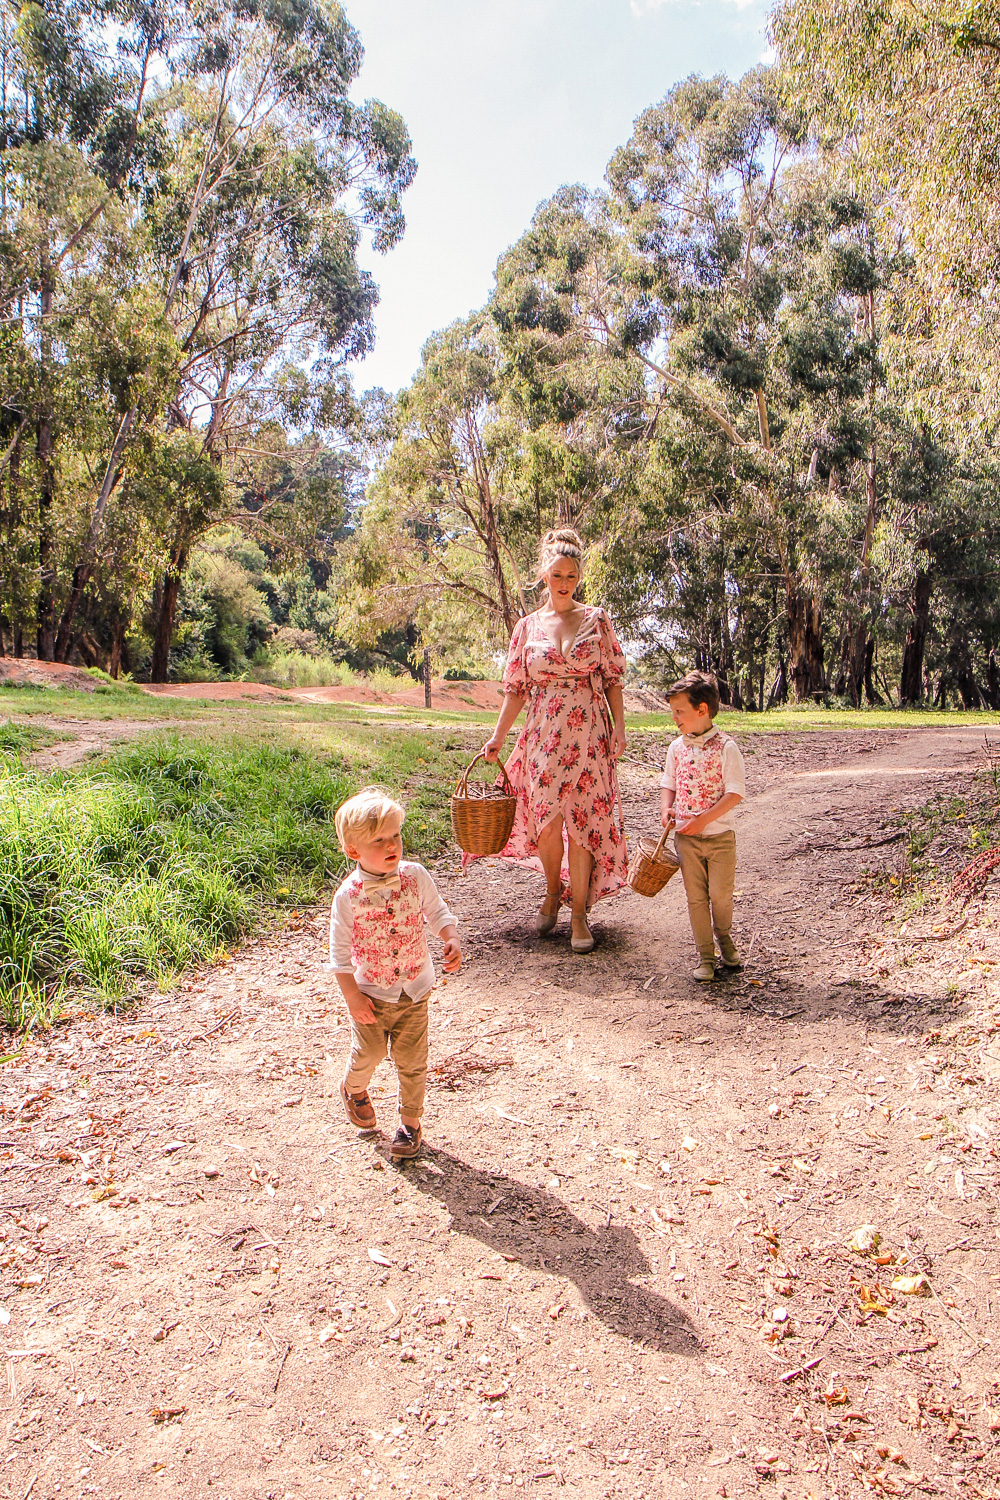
[563, 542]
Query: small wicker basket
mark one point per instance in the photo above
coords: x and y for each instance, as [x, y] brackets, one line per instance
[481, 819]
[652, 866]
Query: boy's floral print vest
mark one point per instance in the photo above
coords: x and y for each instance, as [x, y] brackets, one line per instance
[388, 943]
[700, 782]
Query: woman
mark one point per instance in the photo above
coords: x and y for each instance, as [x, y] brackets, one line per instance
[565, 662]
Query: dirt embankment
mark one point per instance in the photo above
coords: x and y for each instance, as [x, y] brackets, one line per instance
[622, 1266]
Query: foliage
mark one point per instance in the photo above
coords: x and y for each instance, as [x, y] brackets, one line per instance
[184, 191]
[911, 89]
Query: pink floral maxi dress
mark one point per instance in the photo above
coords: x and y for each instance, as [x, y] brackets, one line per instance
[562, 762]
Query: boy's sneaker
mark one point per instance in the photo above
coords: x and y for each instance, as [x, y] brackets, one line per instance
[360, 1110]
[730, 957]
[704, 972]
[406, 1142]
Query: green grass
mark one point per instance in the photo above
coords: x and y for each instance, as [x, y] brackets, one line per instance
[157, 858]
[25, 739]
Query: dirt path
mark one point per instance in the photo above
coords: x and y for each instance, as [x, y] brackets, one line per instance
[631, 1221]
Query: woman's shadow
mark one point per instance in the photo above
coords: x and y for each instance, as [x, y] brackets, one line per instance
[538, 1229]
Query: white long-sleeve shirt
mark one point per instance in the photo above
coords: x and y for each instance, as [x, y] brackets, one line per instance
[379, 937]
[700, 770]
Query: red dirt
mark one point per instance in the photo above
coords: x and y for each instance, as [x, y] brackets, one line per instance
[24, 671]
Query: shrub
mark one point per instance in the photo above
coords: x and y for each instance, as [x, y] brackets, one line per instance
[300, 669]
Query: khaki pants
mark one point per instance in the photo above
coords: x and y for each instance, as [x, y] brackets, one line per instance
[708, 865]
[398, 1032]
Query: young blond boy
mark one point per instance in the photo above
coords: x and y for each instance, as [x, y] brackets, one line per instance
[378, 951]
[703, 781]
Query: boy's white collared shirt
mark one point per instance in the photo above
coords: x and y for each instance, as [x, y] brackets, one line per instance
[705, 760]
[377, 932]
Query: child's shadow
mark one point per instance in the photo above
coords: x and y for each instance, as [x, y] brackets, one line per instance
[538, 1229]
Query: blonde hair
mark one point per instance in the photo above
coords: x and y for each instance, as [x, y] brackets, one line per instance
[365, 813]
[564, 542]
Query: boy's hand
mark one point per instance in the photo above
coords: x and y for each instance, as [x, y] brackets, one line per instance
[452, 960]
[694, 825]
[361, 1008]
[667, 818]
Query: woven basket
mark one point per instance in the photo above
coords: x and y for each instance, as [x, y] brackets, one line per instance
[481, 819]
[652, 866]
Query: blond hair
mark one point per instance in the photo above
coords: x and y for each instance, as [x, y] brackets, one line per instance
[365, 813]
[565, 542]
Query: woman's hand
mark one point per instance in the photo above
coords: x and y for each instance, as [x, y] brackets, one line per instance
[493, 746]
[618, 741]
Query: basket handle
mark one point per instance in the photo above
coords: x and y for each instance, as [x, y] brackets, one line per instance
[462, 785]
[663, 836]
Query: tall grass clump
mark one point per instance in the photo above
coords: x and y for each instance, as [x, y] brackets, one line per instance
[300, 669]
[153, 860]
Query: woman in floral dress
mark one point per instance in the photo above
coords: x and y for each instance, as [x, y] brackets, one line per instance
[565, 662]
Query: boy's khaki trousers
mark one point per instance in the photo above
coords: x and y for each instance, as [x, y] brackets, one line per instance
[398, 1032]
[708, 865]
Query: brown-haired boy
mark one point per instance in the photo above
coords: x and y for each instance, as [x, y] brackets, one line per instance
[703, 780]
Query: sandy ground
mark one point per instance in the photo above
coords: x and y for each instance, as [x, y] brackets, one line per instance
[621, 1266]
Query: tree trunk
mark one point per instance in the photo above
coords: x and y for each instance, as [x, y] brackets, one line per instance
[46, 493]
[805, 644]
[117, 644]
[872, 694]
[993, 681]
[968, 688]
[779, 687]
[911, 685]
[427, 678]
[170, 589]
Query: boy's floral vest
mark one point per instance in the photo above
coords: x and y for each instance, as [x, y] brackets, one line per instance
[700, 782]
[387, 944]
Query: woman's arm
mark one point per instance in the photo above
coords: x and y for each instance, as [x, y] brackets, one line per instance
[616, 703]
[512, 705]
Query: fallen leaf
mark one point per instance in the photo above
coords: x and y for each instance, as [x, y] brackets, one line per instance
[911, 1286]
[865, 1240]
[689, 1143]
[378, 1258]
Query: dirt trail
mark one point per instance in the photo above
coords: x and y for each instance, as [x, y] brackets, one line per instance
[630, 1222]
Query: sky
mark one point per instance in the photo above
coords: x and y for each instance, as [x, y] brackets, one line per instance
[505, 101]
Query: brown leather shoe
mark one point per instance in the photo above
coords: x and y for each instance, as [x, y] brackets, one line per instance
[406, 1142]
[360, 1110]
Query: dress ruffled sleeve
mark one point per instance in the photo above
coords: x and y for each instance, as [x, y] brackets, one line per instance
[612, 656]
[515, 673]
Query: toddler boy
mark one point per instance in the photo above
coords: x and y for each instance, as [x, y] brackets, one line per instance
[379, 954]
[703, 780]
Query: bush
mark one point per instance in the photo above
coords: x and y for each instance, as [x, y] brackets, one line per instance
[300, 669]
[158, 858]
[385, 680]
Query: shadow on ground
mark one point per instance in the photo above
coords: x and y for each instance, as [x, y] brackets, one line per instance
[518, 1220]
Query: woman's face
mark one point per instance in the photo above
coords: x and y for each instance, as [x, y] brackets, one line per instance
[561, 581]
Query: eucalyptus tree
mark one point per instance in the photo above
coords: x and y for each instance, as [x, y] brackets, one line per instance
[184, 191]
[75, 144]
[911, 90]
[442, 542]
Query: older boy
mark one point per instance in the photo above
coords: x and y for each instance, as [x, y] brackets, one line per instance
[703, 780]
[379, 954]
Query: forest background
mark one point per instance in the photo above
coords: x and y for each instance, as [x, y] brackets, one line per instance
[756, 369]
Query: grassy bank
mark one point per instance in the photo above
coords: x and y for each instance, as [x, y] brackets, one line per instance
[153, 860]
[155, 857]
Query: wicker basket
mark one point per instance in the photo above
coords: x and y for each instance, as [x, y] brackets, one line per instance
[652, 866]
[481, 819]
